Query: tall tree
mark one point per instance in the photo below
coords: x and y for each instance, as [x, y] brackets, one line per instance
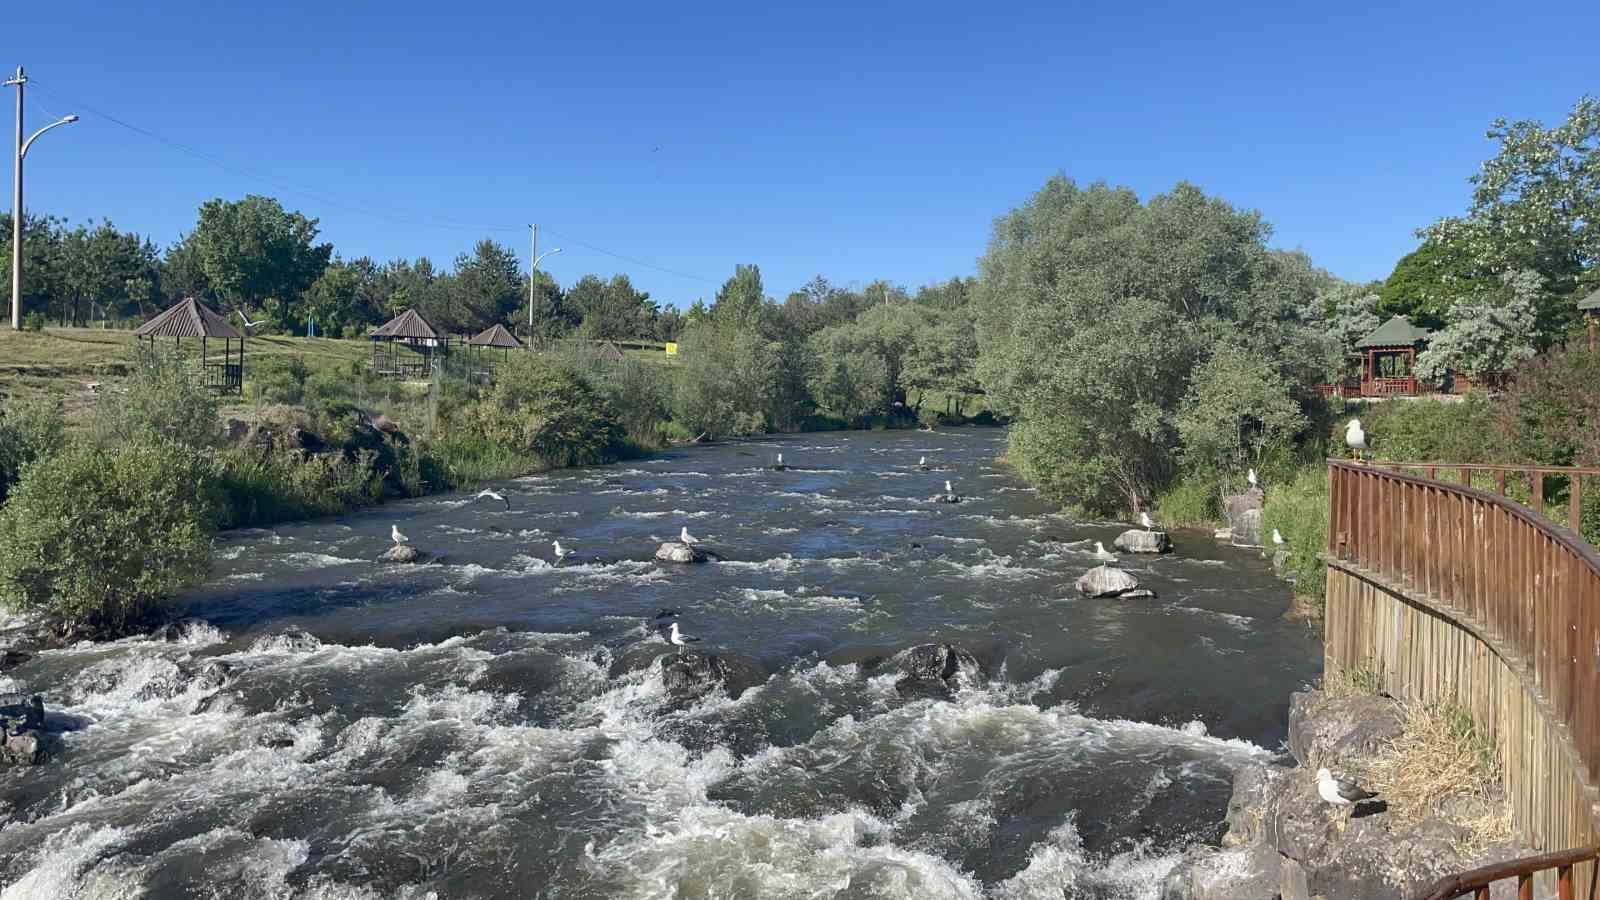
[255, 253]
[741, 301]
[487, 288]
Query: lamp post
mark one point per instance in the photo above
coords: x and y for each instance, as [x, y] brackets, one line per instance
[19, 82]
[532, 268]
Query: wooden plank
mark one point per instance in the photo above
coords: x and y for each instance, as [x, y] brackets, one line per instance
[1536, 484]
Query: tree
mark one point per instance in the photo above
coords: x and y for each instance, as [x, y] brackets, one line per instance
[182, 275]
[848, 376]
[29, 431]
[731, 382]
[1237, 405]
[41, 262]
[487, 287]
[741, 301]
[552, 411]
[1488, 332]
[1426, 282]
[611, 309]
[255, 253]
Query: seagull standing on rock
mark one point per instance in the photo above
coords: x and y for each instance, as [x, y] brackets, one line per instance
[487, 494]
[678, 639]
[1250, 476]
[563, 553]
[684, 537]
[1277, 537]
[1341, 791]
[1144, 520]
[1102, 554]
[396, 536]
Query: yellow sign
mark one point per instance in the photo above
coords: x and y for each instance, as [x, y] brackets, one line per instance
[672, 348]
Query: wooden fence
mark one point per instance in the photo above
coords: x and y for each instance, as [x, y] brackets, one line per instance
[1454, 594]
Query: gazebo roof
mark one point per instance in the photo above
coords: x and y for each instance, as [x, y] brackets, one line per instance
[608, 351]
[495, 335]
[409, 324]
[188, 318]
[1590, 302]
[1397, 332]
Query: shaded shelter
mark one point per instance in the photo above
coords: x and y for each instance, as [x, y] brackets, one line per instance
[189, 318]
[1389, 358]
[608, 351]
[487, 341]
[407, 345]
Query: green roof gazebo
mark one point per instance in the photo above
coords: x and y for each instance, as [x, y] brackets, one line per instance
[1590, 307]
[411, 331]
[1389, 357]
[189, 318]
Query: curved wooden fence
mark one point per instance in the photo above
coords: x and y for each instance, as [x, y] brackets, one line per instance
[1453, 594]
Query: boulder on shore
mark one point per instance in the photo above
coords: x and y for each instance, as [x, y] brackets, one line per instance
[677, 552]
[945, 665]
[1106, 581]
[1244, 517]
[402, 553]
[1136, 540]
[1332, 731]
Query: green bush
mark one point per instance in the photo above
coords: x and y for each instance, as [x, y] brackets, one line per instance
[277, 379]
[1299, 510]
[1431, 431]
[28, 431]
[163, 400]
[546, 410]
[1193, 502]
[262, 488]
[462, 458]
[102, 536]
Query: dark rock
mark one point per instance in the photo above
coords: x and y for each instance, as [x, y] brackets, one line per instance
[10, 659]
[1135, 540]
[1331, 731]
[276, 741]
[691, 675]
[22, 741]
[1244, 517]
[402, 553]
[945, 498]
[945, 665]
[1106, 581]
[667, 613]
[211, 675]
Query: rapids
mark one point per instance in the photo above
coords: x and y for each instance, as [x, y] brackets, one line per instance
[493, 727]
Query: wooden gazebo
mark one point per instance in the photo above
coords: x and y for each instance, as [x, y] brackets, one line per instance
[608, 351]
[1590, 307]
[485, 342]
[189, 318]
[406, 346]
[1389, 358]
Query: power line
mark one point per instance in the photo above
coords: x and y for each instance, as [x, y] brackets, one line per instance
[389, 216]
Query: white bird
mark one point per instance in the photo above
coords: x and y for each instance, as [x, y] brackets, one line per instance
[1250, 476]
[922, 461]
[1144, 519]
[395, 535]
[487, 494]
[685, 537]
[246, 320]
[1101, 553]
[1354, 437]
[1340, 791]
[563, 553]
[1277, 537]
[948, 489]
[780, 459]
[678, 639]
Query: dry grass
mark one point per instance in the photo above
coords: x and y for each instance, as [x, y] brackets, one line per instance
[1362, 681]
[1441, 755]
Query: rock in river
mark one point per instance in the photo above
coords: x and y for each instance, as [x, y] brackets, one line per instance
[402, 553]
[1136, 541]
[22, 722]
[691, 674]
[1107, 581]
[673, 551]
[938, 664]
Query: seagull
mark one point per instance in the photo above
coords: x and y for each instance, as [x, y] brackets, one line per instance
[1277, 537]
[246, 320]
[1101, 553]
[1355, 438]
[780, 459]
[685, 537]
[678, 639]
[1340, 791]
[487, 494]
[396, 536]
[1251, 477]
[563, 553]
[1144, 519]
[948, 489]
[922, 463]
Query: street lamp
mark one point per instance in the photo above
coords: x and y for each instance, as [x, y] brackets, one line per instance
[532, 269]
[19, 81]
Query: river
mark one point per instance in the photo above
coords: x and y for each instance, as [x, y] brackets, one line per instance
[495, 727]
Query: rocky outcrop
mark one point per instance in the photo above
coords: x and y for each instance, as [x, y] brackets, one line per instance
[945, 498]
[402, 553]
[1106, 581]
[1284, 841]
[691, 674]
[22, 733]
[1135, 540]
[1280, 565]
[1244, 517]
[675, 552]
[936, 665]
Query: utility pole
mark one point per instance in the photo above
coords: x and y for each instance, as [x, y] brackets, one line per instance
[16, 213]
[533, 262]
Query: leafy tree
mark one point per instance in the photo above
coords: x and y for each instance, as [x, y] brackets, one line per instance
[41, 262]
[486, 288]
[849, 377]
[100, 535]
[741, 301]
[1488, 332]
[182, 275]
[611, 309]
[254, 252]
[28, 431]
[1237, 405]
[552, 411]
[163, 402]
[553, 315]
[943, 355]
[731, 381]
[1426, 282]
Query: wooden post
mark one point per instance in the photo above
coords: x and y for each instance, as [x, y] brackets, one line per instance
[1537, 479]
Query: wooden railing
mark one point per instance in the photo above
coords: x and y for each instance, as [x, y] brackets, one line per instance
[1537, 479]
[1478, 881]
[1405, 386]
[1533, 587]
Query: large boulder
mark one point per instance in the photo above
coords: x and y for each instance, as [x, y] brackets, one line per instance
[1244, 517]
[675, 552]
[691, 674]
[402, 553]
[1250, 872]
[1106, 581]
[1135, 540]
[22, 739]
[1331, 731]
[937, 665]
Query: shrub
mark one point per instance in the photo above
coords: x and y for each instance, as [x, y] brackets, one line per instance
[163, 400]
[461, 458]
[101, 536]
[263, 487]
[1299, 510]
[33, 321]
[1431, 430]
[28, 431]
[547, 410]
[278, 380]
[1193, 502]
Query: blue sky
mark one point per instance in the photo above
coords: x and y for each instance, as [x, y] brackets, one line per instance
[855, 142]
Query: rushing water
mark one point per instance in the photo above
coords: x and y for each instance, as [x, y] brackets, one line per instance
[495, 727]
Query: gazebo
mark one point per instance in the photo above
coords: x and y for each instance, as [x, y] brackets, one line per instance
[1590, 307]
[608, 351]
[421, 341]
[495, 336]
[189, 318]
[1389, 357]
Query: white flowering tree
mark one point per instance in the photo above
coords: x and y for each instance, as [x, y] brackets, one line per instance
[1489, 331]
